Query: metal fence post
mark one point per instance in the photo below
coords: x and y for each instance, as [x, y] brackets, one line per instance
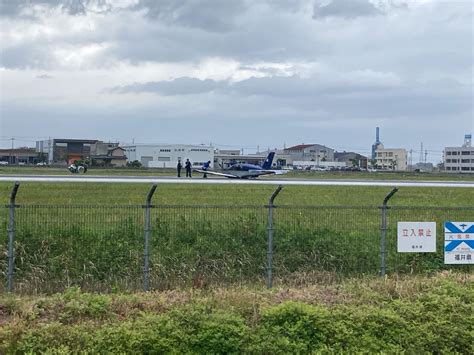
[146, 254]
[270, 237]
[383, 252]
[11, 236]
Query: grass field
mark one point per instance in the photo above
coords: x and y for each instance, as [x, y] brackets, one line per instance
[91, 234]
[190, 194]
[208, 268]
[410, 314]
[176, 194]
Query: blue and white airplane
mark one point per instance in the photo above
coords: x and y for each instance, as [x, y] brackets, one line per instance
[245, 171]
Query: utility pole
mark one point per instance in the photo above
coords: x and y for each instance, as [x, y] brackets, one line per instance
[11, 151]
[411, 159]
[50, 158]
[421, 153]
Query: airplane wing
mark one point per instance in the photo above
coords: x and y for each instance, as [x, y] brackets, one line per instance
[210, 172]
[280, 172]
[236, 174]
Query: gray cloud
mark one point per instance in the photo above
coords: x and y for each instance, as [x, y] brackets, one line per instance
[73, 7]
[344, 100]
[180, 86]
[25, 57]
[208, 15]
[349, 69]
[345, 8]
[44, 76]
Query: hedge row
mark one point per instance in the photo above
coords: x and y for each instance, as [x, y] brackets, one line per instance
[438, 320]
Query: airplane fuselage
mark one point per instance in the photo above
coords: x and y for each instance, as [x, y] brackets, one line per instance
[244, 167]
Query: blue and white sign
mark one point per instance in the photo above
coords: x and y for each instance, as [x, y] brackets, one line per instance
[458, 242]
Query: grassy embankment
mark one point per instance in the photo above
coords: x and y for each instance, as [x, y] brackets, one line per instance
[410, 314]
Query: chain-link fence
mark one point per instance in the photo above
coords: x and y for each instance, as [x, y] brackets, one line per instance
[46, 248]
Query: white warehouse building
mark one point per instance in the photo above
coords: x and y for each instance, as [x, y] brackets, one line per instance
[168, 155]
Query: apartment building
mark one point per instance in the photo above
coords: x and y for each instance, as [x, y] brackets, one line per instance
[390, 158]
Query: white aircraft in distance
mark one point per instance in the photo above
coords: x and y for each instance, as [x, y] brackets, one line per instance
[245, 171]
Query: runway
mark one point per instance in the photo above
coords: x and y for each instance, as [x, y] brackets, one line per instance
[261, 181]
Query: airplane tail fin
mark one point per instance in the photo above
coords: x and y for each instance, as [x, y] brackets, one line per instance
[268, 162]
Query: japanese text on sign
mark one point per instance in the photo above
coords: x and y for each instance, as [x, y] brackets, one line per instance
[416, 237]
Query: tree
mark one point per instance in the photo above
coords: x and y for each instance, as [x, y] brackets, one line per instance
[355, 162]
[134, 164]
[393, 164]
[41, 157]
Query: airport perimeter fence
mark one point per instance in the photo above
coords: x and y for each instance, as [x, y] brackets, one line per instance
[47, 248]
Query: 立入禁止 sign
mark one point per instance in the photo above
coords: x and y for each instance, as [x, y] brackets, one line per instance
[416, 237]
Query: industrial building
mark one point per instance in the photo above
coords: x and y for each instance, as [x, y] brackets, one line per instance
[308, 152]
[377, 144]
[351, 159]
[387, 158]
[460, 159]
[21, 156]
[168, 155]
[66, 151]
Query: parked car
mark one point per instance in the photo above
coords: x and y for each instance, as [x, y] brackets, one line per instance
[42, 163]
[21, 163]
[3, 162]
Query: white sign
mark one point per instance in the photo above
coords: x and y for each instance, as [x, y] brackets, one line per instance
[416, 237]
[458, 242]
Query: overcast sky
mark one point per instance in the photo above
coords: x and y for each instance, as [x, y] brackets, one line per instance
[239, 73]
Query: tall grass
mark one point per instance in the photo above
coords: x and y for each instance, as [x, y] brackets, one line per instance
[102, 247]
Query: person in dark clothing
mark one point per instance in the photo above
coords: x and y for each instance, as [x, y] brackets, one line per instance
[187, 166]
[205, 167]
[178, 168]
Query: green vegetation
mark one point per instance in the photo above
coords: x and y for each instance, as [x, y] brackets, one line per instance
[194, 194]
[91, 235]
[399, 314]
[101, 248]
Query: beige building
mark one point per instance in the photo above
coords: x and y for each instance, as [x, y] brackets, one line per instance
[390, 158]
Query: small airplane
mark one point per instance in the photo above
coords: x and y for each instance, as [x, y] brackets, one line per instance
[245, 171]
